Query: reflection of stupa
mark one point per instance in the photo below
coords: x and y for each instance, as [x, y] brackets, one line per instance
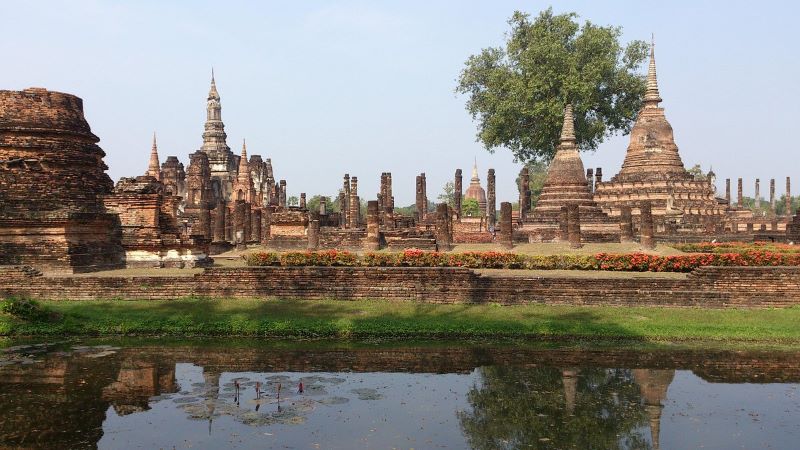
[653, 385]
[475, 191]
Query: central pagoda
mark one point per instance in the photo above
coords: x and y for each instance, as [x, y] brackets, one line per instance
[653, 170]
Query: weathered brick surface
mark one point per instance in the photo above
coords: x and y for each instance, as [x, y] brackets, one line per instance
[708, 287]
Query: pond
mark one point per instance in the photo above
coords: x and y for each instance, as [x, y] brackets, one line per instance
[333, 395]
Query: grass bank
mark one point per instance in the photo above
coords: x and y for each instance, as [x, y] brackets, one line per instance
[380, 319]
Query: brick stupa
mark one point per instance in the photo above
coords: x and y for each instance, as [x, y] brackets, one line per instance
[52, 183]
[566, 185]
[653, 170]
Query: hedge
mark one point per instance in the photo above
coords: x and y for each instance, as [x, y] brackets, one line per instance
[638, 262]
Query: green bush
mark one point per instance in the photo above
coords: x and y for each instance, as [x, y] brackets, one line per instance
[26, 309]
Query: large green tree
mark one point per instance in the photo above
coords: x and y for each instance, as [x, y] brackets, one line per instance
[517, 94]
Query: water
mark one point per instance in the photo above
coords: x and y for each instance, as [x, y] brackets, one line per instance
[166, 394]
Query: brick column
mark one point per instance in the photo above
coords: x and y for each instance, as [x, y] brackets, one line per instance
[506, 225]
[788, 197]
[444, 229]
[266, 225]
[419, 199]
[248, 229]
[772, 194]
[323, 206]
[598, 176]
[758, 194]
[219, 222]
[749, 227]
[282, 197]
[574, 226]
[563, 224]
[491, 200]
[206, 227]
[344, 205]
[739, 197]
[625, 224]
[646, 239]
[238, 231]
[255, 225]
[458, 188]
[313, 235]
[524, 192]
[728, 191]
[355, 204]
[372, 241]
[590, 179]
[303, 200]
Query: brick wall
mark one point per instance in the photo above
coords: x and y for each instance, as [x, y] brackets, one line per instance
[708, 287]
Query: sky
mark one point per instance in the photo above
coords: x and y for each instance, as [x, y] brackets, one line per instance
[364, 87]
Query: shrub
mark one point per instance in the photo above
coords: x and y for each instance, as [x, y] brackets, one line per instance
[26, 309]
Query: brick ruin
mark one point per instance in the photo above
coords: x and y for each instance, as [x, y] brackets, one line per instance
[52, 184]
[176, 217]
[565, 185]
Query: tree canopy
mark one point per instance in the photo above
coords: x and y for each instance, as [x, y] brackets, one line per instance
[517, 94]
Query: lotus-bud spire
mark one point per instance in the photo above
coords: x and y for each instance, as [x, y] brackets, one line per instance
[568, 127]
[651, 96]
[154, 168]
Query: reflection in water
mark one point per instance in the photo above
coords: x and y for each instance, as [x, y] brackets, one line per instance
[547, 407]
[67, 396]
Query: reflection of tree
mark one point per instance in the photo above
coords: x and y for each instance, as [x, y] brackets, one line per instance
[529, 408]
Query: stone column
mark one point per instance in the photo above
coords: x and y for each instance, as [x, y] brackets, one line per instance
[590, 179]
[424, 193]
[758, 194]
[229, 222]
[506, 226]
[728, 191]
[355, 204]
[444, 230]
[749, 227]
[772, 195]
[647, 241]
[626, 224]
[524, 192]
[372, 242]
[303, 200]
[219, 222]
[491, 200]
[739, 197]
[788, 197]
[574, 226]
[323, 206]
[458, 189]
[313, 235]
[255, 227]
[598, 176]
[563, 224]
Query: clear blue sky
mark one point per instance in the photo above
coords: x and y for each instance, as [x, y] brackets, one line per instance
[328, 87]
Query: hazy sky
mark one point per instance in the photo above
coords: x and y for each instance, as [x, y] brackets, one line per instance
[328, 87]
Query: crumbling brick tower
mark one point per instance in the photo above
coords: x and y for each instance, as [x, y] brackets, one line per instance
[52, 179]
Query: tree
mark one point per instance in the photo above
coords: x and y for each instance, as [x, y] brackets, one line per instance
[697, 172]
[293, 201]
[537, 175]
[517, 94]
[471, 208]
[330, 205]
[448, 194]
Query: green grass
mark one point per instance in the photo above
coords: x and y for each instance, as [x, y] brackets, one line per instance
[381, 319]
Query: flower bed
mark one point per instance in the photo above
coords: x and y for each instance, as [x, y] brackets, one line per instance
[637, 262]
[736, 247]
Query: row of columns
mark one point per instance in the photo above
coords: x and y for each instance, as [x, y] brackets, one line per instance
[772, 198]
